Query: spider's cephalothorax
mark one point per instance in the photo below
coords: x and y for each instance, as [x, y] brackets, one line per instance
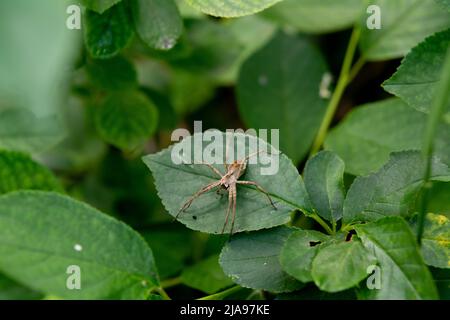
[228, 181]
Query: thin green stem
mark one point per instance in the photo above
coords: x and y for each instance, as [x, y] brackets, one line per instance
[436, 112]
[320, 221]
[170, 282]
[344, 78]
[162, 293]
[223, 294]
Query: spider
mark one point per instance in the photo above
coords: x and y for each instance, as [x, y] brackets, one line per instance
[229, 182]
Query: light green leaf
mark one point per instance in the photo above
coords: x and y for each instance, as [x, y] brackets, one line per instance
[418, 77]
[403, 272]
[299, 251]
[324, 182]
[108, 33]
[126, 119]
[157, 22]
[251, 260]
[112, 74]
[231, 8]
[176, 183]
[404, 23]
[314, 16]
[340, 266]
[392, 190]
[19, 172]
[436, 241]
[45, 233]
[371, 132]
[99, 6]
[285, 93]
[206, 276]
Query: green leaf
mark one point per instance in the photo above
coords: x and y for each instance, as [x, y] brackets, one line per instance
[108, 33]
[176, 183]
[157, 22]
[436, 241]
[11, 290]
[445, 3]
[299, 251]
[284, 94]
[314, 16]
[324, 182]
[45, 233]
[340, 266]
[418, 77]
[251, 260]
[231, 8]
[126, 119]
[403, 272]
[19, 172]
[438, 200]
[99, 6]
[392, 190]
[404, 23]
[206, 276]
[112, 74]
[371, 132]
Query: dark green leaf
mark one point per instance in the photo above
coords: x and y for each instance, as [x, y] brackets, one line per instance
[206, 276]
[19, 172]
[299, 251]
[392, 190]
[417, 79]
[99, 6]
[127, 119]
[108, 33]
[403, 272]
[45, 233]
[176, 183]
[112, 74]
[11, 290]
[284, 94]
[251, 260]
[157, 22]
[324, 181]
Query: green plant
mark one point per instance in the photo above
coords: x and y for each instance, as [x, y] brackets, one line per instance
[89, 188]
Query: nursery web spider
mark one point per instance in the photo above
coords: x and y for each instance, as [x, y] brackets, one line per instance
[229, 182]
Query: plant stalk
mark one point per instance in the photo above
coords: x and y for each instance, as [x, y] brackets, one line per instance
[223, 294]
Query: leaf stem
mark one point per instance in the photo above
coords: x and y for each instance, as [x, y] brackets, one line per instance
[223, 294]
[162, 292]
[436, 112]
[320, 221]
[347, 74]
[170, 282]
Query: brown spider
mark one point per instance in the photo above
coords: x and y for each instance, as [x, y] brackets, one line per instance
[228, 181]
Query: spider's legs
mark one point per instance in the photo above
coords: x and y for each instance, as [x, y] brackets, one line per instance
[257, 186]
[209, 166]
[234, 193]
[230, 203]
[198, 194]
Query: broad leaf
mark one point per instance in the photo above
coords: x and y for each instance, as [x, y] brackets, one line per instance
[251, 260]
[157, 22]
[108, 33]
[438, 201]
[127, 119]
[436, 241]
[43, 234]
[314, 16]
[19, 172]
[403, 272]
[324, 182]
[231, 8]
[371, 132]
[404, 23]
[417, 79]
[284, 94]
[99, 6]
[176, 183]
[206, 275]
[445, 3]
[299, 251]
[340, 266]
[392, 190]
[11, 290]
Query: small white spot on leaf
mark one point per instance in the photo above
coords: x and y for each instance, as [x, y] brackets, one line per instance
[263, 80]
[324, 90]
[78, 247]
